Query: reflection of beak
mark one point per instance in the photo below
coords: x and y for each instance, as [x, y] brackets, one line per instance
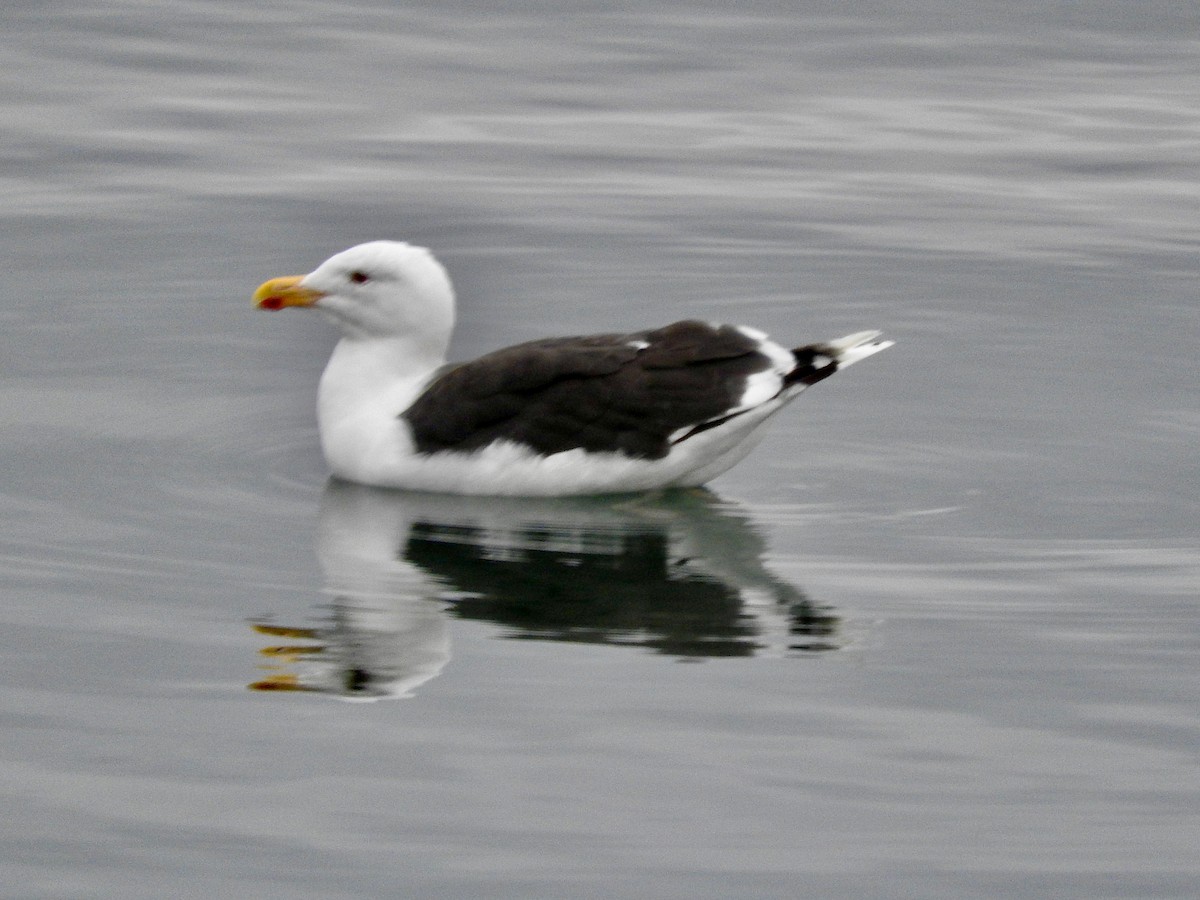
[293, 651]
[279, 683]
[287, 291]
[280, 679]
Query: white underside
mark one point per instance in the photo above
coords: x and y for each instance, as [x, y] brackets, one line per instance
[509, 469]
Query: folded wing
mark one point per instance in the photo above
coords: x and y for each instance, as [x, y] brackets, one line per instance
[627, 393]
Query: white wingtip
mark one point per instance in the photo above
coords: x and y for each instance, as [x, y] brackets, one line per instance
[853, 347]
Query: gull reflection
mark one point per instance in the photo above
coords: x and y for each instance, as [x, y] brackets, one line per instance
[679, 573]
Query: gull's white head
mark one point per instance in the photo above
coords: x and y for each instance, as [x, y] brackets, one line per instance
[382, 289]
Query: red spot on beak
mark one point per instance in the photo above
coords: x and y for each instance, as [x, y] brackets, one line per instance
[271, 303]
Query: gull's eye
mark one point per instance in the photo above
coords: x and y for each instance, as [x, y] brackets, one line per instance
[359, 277]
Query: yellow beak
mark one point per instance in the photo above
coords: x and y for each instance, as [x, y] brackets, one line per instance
[280, 292]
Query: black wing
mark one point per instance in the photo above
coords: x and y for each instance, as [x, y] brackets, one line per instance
[616, 392]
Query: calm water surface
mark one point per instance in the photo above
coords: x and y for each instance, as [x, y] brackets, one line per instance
[936, 638]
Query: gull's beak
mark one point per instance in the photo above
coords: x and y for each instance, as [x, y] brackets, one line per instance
[280, 292]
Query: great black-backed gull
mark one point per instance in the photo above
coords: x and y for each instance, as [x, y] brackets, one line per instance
[608, 413]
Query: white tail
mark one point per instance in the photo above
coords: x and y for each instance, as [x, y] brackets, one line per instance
[854, 347]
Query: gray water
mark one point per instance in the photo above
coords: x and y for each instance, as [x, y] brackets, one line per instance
[936, 638]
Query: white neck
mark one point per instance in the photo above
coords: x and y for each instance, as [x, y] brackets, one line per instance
[366, 385]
